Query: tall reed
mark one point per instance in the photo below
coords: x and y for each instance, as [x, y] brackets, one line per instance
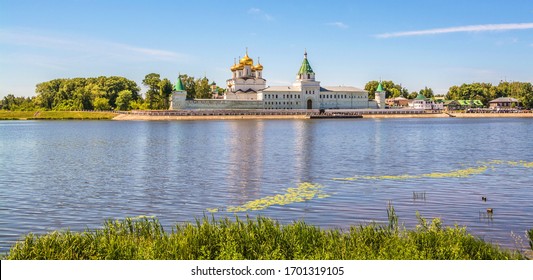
[256, 239]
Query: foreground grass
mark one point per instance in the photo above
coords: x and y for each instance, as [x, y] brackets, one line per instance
[260, 238]
[55, 115]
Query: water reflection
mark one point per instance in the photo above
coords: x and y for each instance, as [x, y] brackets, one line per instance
[304, 145]
[246, 160]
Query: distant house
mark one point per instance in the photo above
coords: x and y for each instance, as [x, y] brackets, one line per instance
[421, 102]
[503, 102]
[452, 105]
[398, 102]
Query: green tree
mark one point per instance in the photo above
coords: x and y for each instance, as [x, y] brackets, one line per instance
[165, 88]
[123, 100]
[46, 93]
[202, 88]
[395, 93]
[152, 81]
[8, 103]
[82, 99]
[371, 87]
[412, 95]
[523, 92]
[101, 103]
[220, 91]
[13, 103]
[427, 92]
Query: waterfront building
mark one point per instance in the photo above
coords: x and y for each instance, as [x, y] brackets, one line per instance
[451, 105]
[307, 93]
[399, 101]
[421, 102]
[503, 102]
[246, 89]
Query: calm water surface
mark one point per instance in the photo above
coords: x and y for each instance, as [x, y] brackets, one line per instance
[75, 174]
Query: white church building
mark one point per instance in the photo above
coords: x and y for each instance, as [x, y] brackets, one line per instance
[247, 90]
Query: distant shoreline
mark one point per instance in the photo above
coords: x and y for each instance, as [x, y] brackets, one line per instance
[134, 117]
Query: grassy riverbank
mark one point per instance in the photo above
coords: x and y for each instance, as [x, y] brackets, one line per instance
[261, 238]
[55, 115]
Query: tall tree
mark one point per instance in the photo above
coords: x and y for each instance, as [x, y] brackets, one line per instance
[427, 92]
[203, 88]
[165, 88]
[412, 95]
[123, 100]
[101, 103]
[152, 81]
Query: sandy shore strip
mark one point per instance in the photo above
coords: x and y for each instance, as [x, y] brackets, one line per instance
[134, 117]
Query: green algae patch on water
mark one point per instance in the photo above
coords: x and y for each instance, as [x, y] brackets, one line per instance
[520, 163]
[304, 192]
[460, 173]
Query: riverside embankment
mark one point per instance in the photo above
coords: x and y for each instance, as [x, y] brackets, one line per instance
[301, 114]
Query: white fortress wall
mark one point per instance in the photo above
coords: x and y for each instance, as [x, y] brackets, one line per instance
[219, 104]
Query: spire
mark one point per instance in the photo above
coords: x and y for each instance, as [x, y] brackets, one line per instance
[306, 67]
[179, 85]
[380, 87]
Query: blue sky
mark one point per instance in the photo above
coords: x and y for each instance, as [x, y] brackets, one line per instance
[416, 43]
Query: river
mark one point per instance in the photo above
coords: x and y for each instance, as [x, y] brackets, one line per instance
[58, 175]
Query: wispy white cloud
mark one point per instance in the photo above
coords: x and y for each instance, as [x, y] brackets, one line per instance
[260, 13]
[468, 28]
[338, 24]
[254, 11]
[85, 46]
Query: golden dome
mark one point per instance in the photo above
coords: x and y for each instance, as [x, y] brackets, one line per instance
[246, 60]
[258, 67]
[239, 66]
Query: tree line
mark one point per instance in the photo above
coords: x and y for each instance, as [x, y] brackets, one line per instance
[106, 93]
[486, 92]
[119, 93]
